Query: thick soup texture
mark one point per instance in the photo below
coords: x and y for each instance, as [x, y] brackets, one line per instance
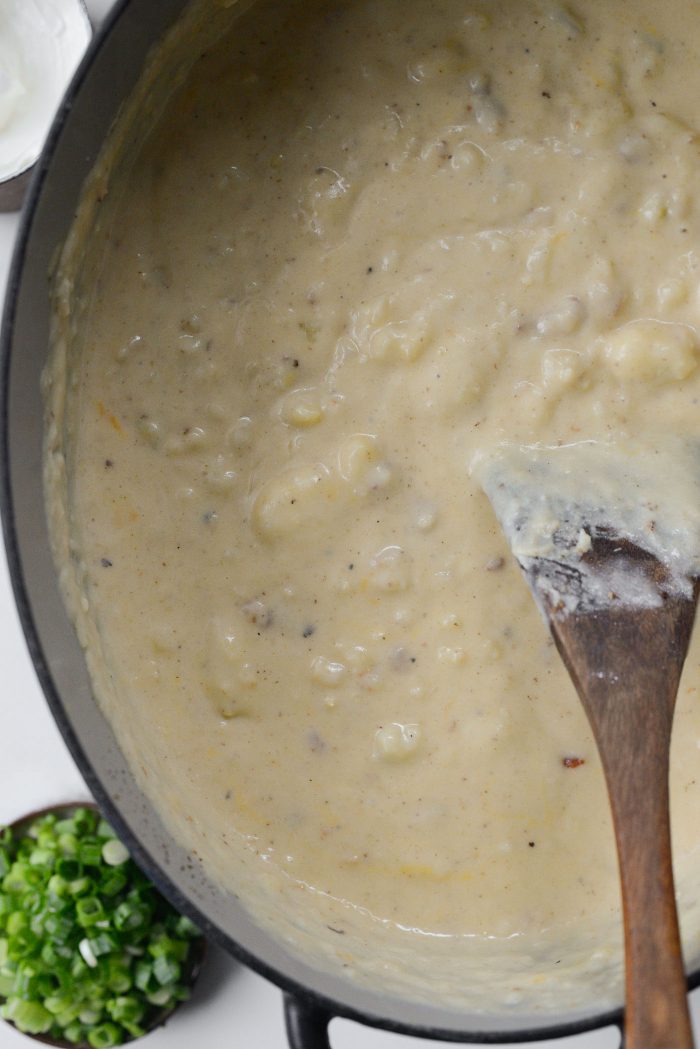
[365, 242]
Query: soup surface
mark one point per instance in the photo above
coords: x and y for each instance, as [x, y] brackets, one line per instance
[366, 242]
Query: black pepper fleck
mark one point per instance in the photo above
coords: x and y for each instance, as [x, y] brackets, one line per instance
[309, 630]
[105, 562]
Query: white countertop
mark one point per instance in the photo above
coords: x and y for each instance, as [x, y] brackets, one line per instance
[231, 1007]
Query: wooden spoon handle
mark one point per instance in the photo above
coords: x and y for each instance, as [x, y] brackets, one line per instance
[656, 1010]
[626, 667]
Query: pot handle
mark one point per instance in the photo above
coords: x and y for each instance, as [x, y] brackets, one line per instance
[307, 1024]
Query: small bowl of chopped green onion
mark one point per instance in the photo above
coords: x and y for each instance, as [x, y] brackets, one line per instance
[91, 954]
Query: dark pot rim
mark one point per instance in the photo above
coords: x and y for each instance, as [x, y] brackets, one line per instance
[308, 995]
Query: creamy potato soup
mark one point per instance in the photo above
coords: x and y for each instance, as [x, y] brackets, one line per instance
[365, 244]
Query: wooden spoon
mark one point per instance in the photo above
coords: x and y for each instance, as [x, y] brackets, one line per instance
[608, 536]
[626, 662]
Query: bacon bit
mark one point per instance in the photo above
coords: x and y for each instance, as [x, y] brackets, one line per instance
[572, 763]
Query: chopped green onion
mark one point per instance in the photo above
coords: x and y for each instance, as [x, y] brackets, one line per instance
[79, 969]
[74, 1033]
[58, 927]
[126, 1009]
[105, 1036]
[91, 854]
[165, 970]
[29, 1017]
[89, 910]
[185, 927]
[90, 1016]
[46, 984]
[145, 978]
[66, 826]
[57, 1003]
[114, 852]
[112, 881]
[46, 838]
[119, 979]
[42, 857]
[68, 1015]
[130, 916]
[68, 845]
[57, 886]
[16, 878]
[103, 944]
[68, 868]
[87, 952]
[168, 946]
[163, 996]
[16, 922]
[90, 953]
[135, 1030]
[79, 886]
[33, 902]
[85, 820]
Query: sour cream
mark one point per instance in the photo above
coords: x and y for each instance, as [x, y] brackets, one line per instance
[41, 44]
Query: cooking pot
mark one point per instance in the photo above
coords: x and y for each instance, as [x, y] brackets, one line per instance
[312, 996]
